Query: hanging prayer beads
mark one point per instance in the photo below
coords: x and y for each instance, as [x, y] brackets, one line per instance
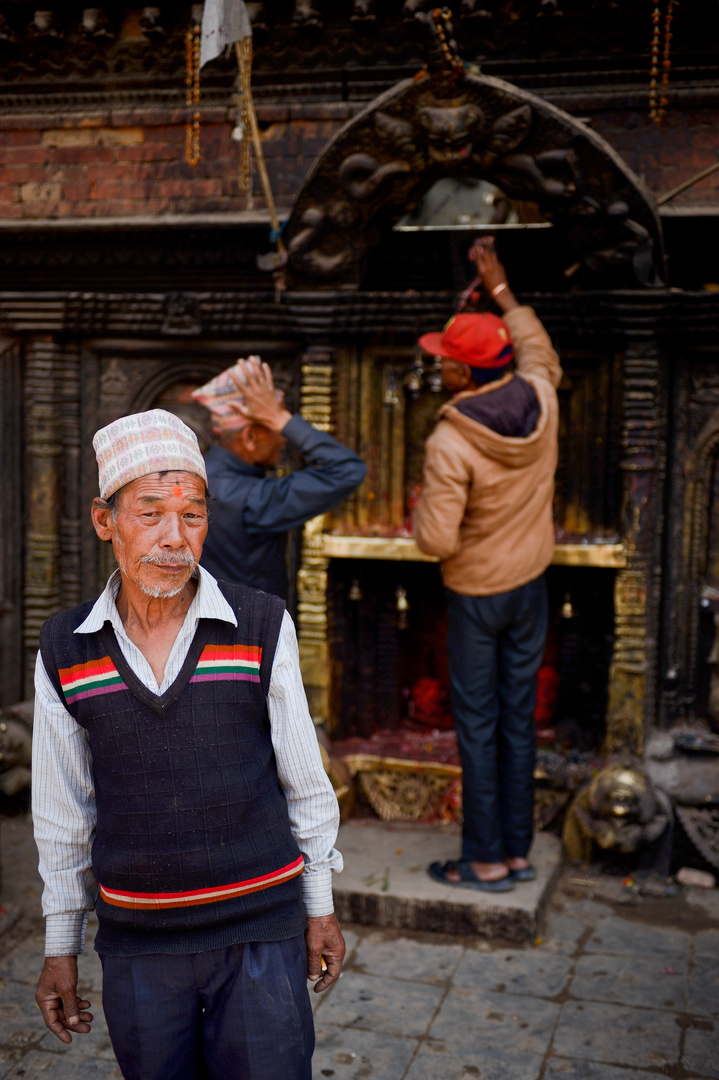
[244, 173]
[657, 109]
[192, 94]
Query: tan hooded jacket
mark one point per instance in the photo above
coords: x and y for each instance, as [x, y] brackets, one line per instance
[486, 504]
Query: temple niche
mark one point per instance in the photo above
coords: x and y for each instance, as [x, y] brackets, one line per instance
[129, 275]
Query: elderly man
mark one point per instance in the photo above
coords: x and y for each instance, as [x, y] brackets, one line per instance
[178, 788]
[252, 509]
[486, 512]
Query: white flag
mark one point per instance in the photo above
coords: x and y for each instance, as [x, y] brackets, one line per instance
[223, 23]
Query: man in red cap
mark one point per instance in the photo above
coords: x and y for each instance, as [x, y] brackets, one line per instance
[486, 512]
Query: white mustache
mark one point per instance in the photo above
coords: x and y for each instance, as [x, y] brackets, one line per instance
[183, 558]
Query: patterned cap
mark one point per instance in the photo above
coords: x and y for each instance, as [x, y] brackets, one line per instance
[220, 394]
[145, 443]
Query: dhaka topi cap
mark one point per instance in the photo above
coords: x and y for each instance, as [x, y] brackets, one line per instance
[144, 443]
[479, 340]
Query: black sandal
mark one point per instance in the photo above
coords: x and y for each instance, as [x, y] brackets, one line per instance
[468, 879]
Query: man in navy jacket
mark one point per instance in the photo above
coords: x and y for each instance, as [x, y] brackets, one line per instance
[252, 509]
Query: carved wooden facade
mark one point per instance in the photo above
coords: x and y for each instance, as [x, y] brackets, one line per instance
[98, 344]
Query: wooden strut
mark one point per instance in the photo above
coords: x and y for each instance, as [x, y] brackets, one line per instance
[256, 142]
[663, 199]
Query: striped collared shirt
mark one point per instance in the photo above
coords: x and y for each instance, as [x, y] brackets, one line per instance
[63, 792]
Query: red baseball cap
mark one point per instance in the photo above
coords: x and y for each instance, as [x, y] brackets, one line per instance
[479, 340]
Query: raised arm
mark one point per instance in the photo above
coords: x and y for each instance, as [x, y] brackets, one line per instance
[332, 472]
[533, 350]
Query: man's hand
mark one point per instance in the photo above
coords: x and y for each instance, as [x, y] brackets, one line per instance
[261, 405]
[493, 276]
[56, 995]
[324, 939]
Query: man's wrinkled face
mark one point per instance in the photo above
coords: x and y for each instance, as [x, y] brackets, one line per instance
[157, 530]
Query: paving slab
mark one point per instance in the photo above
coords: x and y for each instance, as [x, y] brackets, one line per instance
[700, 1052]
[539, 974]
[45, 1066]
[385, 883]
[562, 1069]
[389, 1006]
[473, 1021]
[631, 980]
[617, 1035]
[21, 1024]
[94, 1043]
[626, 936]
[706, 947]
[406, 959]
[349, 1054]
[703, 993]
[489, 1065]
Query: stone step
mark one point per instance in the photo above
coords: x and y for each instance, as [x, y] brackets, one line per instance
[385, 883]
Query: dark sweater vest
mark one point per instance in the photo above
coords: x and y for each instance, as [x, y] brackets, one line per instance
[193, 848]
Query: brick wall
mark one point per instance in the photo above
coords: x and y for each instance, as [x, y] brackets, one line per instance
[130, 163]
[685, 143]
[127, 163]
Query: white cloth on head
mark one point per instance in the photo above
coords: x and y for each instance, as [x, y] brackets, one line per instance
[144, 443]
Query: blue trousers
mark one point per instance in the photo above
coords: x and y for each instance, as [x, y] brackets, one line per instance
[495, 646]
[238, 1013]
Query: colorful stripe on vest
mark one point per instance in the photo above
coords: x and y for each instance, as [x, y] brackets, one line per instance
[229, 662]
[157, 901]
[89, 679]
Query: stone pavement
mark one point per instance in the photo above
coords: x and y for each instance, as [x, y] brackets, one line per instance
[608, 992]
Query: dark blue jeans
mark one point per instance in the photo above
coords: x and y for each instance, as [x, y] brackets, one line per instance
[495, 646]
[238, 1013]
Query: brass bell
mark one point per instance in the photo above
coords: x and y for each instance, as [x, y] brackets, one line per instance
[355, 593]
[567, 611]
[402, 607]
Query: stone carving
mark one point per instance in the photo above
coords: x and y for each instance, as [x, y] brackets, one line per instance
[479, 9]
[454, 122]
[151, 23]
[95, 23]
[701, 824]
[620, 809]
[114, 390]
[364, 11]
[6, 33]
[181, 316]
[307, 13]
[258, 16]
[44, 25]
